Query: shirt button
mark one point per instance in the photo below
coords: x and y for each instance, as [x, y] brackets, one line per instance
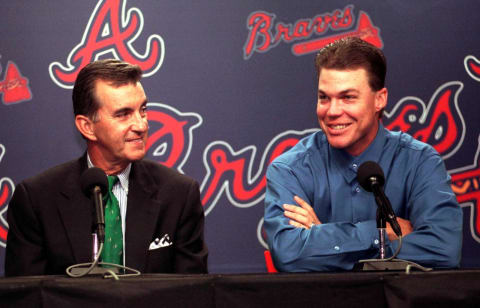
[376, 242]
[357, 189]
[336, 248]
[355, 166]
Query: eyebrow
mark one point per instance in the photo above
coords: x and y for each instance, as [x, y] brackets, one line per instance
[343, 92]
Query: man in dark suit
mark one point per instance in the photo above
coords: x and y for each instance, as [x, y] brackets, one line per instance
[50, 219]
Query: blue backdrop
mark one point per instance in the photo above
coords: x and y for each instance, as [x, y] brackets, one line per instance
[231, 84]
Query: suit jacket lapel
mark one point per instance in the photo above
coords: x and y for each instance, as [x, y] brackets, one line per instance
[142, 214]
[76, 211]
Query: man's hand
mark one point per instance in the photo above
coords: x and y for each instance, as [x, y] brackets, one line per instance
[405, 226]
[302, 216]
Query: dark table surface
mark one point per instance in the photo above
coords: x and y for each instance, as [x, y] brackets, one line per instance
[441, 288]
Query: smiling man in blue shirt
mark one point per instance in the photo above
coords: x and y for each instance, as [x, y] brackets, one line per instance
[318, 218]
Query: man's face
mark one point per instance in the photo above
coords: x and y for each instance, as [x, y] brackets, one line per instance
[121, 128]
[348, 108]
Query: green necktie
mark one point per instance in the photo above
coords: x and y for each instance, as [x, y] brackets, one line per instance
[113, 246]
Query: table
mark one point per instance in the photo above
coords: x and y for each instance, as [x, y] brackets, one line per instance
[450, 288]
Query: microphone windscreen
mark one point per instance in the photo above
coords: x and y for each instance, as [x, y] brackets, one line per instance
[366, 171]
[93, 177]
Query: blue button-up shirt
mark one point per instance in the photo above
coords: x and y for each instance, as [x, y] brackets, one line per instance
[416, 183]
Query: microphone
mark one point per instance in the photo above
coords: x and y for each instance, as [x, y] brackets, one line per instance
[370, 176]
[94, 183]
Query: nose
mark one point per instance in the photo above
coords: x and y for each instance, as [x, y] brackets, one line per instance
[335, 108]
[140, 122]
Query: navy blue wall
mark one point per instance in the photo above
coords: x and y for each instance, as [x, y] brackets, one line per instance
[231, 85]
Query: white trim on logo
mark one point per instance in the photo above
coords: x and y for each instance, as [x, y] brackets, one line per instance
[469, 72]
[259, 234]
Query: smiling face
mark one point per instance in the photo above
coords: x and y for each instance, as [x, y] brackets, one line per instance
[120, 128]
[348, 109]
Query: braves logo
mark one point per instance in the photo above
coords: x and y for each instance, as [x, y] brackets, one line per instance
[111, 30]
[466, 185]
[439, 123]
[231, 172]
[261, 37]
[466, 180]
[170, 140]
[442, 125]
[14, 86]
[6, 190]
[365, 30]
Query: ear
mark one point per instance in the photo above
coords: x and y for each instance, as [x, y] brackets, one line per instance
[381, 98]
[85, 127]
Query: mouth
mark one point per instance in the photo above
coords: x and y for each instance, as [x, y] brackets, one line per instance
[135, 140]
[337, 128]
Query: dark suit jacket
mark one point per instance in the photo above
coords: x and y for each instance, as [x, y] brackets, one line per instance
[50, 222]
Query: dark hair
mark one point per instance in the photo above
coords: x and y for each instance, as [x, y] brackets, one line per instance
[354, 53]
[116, 72]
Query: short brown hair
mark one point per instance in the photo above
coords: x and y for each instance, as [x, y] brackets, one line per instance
[354, 53]
[111, 70]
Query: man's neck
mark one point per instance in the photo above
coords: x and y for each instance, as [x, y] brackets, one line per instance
[110, 168]
[367, 142]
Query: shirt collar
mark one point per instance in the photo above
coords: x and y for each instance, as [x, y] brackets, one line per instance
[122, 176]
[348, 165]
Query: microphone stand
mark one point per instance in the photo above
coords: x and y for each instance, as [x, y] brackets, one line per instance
[382, 227]
[391, 263]
[98, 239]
